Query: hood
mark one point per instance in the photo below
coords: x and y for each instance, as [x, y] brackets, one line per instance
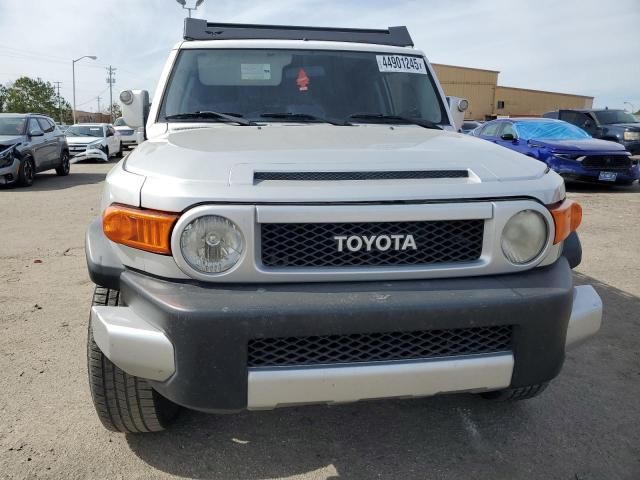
[83, 140]
[10, 139]
[632, 126]
[219, 163]
[586, 146]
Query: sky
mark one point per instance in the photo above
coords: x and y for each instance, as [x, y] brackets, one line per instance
[585, 47]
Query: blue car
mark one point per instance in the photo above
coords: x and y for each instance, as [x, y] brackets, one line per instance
[565, 148]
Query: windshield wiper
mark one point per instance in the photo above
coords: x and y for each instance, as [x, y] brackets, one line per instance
[381, 117]
[303, 117]
[209, 115]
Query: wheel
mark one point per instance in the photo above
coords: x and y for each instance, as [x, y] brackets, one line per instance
[119, 153]
[513, 394]
[27, 172]
[65, 167]
[124, 403]
[106, 152]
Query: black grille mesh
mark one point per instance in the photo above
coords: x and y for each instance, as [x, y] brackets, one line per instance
[384, 175]
[613, 162]
[314, 245]
[378, 347]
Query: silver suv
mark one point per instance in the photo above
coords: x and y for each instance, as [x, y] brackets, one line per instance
[304, 225]
[29, 144]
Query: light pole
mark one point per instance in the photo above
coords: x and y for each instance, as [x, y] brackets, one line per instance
[73, 67]
[184, 5]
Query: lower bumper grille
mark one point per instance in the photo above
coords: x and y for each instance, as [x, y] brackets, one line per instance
[378, 347]
[345, 244]
[600, 162]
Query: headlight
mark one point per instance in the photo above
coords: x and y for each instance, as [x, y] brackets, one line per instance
[631, 136]
[95, 145]
[211, 244]
[6, 157]
[524, 237]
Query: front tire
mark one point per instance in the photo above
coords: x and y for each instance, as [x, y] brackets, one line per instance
[124, 403]
[514, 394]
[27, 172]
[65, 165]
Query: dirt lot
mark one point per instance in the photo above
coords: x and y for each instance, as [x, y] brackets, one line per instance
[586, 426]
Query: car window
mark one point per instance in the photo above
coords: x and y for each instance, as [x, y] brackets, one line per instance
[12, 125]
[550, 130]
[45, 126]
[327, 84]
[578, 119]
[33, 125]
[120, 122]
[490, 130]
[85, 131]
[507, 128]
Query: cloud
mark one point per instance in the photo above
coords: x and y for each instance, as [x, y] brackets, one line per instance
[573, 46]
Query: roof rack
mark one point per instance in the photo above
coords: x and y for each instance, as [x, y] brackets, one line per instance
[198, 29]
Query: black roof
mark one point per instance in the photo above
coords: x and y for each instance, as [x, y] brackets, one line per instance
[198, 29]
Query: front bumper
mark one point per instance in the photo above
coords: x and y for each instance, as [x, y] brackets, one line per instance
[9, 173]
[572, 170]
[93, 154]
[191, 339]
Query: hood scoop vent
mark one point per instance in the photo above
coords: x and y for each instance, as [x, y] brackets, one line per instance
[350, 176]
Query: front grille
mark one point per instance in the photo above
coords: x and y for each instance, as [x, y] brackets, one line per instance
[378, 347]
[126, 133]
[603, 162]
[341, 176]
[315, 245]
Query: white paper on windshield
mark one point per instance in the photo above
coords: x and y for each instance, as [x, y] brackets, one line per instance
[255, 71]
[401, 64]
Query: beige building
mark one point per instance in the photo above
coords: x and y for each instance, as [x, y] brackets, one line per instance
[488, 100]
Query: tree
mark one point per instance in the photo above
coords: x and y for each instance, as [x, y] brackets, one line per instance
[117, 111]
[28, 95]
[3, 96]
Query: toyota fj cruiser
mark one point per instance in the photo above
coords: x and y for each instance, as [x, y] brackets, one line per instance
[304, 225]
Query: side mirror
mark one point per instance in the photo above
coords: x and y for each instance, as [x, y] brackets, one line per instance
[508, 137]
[457, 107]
[135, 107]
[36, 132]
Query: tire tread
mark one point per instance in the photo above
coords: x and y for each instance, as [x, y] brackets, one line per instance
[123, 402]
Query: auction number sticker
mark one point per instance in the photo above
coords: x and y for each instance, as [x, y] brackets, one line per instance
[401, 63]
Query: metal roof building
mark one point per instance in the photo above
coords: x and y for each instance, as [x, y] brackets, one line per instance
[489, 100]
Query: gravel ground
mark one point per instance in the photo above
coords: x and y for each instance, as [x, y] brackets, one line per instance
[585, 426]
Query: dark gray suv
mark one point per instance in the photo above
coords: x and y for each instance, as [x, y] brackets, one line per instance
[30, 143]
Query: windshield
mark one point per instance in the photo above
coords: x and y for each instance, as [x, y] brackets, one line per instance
[315, 83]
[119, 122]
[556, 130]
[84, 131]
[607, 117]
[12, 125]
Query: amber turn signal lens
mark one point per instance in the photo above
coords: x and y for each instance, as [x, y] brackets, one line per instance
[567, 217]
[148, 230]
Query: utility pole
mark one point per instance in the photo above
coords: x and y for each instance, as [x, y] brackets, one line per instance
[99, 111]
[59, 102]
[111, 80]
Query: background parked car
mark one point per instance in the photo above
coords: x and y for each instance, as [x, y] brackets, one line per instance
[469, 125]
[567, 149]
[129, 137]
[93, 140]
[607, 124]
[30, 144]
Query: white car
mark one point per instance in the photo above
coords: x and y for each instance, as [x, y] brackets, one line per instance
[93, 141]
[129, 137]
[304, 225]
